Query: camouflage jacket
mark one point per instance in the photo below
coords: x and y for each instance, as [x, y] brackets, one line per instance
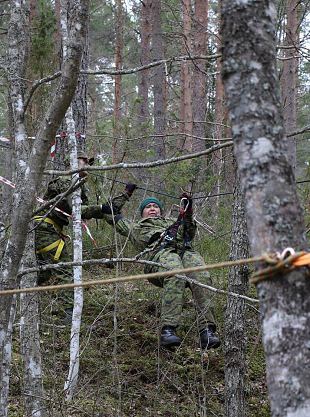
[58, 186]
[145, 232]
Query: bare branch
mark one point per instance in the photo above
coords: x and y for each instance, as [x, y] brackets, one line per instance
[37, 84]
[150, 65]
[134, 165]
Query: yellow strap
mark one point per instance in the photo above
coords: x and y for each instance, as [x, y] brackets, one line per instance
[49, 221]
[59, 244]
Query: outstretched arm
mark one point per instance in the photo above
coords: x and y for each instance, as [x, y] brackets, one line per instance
[111, 211]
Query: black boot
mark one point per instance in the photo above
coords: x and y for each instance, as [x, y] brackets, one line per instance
[168, 338]
[208, 338]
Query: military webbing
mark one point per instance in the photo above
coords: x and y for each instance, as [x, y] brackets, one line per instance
[170, 234]
[59, 243]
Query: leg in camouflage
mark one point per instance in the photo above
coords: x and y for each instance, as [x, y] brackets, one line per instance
[203, 303]
[173, 289]
[45, 234]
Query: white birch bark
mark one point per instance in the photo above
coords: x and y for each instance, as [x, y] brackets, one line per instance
[16, 55]
[27, 186]
[6, 362]
[30, 340]
[71, 382]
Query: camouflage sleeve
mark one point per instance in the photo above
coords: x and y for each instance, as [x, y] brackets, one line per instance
[96, 212]
[123, 226]
[91, 212]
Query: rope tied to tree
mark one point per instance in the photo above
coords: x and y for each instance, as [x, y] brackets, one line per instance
[283, 262]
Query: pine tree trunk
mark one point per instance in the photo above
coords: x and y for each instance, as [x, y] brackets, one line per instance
[117, 145]
[217, 156]
[145, 58]
[235, 326]
[186, 115]
[159, 82]
[199, 77]
[289, 76]
[273, 212]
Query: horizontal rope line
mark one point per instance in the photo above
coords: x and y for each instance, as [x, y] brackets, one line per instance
[129, 278]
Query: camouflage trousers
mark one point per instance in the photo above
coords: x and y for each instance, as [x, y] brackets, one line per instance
[174, 288]
[45, 234]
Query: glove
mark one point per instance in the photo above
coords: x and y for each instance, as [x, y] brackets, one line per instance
[106, 209]
[130, 188]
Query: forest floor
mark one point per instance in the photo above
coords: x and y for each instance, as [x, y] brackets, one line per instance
[124, 372]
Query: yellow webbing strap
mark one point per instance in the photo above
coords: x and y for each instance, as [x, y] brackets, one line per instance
[49, 221]
[59, 244]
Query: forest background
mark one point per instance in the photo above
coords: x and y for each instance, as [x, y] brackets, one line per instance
[131, 114]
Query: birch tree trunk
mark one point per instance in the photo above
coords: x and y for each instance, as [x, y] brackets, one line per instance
[80, 114]
[27, 186]
[71, 382]
[17, 54]
[33, 392]
[235, 332]
[273, 212]
[6, 360]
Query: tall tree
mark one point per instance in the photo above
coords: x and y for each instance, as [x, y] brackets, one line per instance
[186, 115]
[273, 212]
[34, 398]
[145, 58]
[199, 72]
[17, 55]
[159, 82]
[28, 185]
[118, 82]
[219, 116]
[289, 74]
[235, 333]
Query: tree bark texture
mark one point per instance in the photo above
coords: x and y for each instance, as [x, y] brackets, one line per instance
[6, 361]
[159, 82]
[199, 76]
[17, 55]
[289, 75]
[186, 115]
[145, 58]
[235, 331]
[26, 189]
[217, 157]
[273, 212]
[117, 146]
[72, 379]
[30, 340]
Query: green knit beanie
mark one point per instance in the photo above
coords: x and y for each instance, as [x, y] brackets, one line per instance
[149, 200]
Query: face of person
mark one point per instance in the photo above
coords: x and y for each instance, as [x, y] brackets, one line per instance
[82, 163]
[151, 210]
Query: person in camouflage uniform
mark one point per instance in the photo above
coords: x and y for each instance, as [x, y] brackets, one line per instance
[50, 238]
[174, 254]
